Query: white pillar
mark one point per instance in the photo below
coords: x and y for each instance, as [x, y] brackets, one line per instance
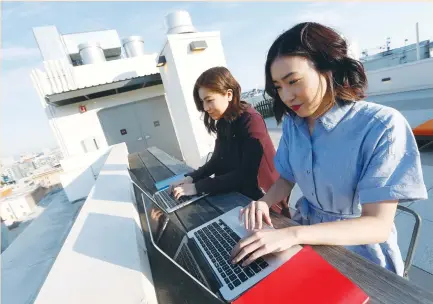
[179, 74]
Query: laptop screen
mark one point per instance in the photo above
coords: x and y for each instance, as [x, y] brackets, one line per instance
[166, 229]
[167, 234]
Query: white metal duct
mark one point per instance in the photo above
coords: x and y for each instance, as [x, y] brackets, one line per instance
[134, 46]
[179, 22]
[91, 53]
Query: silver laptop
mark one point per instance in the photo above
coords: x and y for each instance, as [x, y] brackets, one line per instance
[165, 199]
[169, 204]
[211, 243]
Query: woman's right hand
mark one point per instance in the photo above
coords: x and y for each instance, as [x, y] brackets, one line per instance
[254, 214]
[185, 180]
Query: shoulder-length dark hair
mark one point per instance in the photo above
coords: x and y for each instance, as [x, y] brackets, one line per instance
[219, 80]
[327, 50]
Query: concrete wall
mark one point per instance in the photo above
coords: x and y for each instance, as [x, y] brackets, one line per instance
[179, 74]
[103, 259]
[115, 70]
[68, 118]
[405, 77]
[80, 173]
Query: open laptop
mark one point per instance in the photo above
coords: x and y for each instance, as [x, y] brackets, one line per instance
[169, 204]
[165, 198]
[176, 247]
[203, 253]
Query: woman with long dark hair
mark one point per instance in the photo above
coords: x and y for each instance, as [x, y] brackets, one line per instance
[242, 160]
[353, 160]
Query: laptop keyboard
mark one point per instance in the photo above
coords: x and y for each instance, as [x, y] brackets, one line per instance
[218, 240]
[185, 260]
[168, 200]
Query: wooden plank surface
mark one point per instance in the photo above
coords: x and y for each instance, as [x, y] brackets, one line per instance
[176, 166]
[156, 169]
[381, 285]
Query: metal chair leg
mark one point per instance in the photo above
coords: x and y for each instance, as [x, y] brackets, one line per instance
[413, 240]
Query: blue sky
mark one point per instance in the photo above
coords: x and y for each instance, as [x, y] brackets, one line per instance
[247, 30]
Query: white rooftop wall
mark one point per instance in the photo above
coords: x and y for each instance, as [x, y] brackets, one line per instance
[60, 76]
[411, 76]
[67, 118]
[179, 75]
[108, 39]
[103, 259]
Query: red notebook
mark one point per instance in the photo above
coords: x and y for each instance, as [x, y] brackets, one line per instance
[305, 278]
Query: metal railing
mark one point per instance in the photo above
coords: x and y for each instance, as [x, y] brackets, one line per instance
[264, 107]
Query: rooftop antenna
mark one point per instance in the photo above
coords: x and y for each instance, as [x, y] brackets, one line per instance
[403, 57]
[388, 43]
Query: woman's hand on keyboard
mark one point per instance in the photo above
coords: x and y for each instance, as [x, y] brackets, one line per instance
[263, 242]
[254, 214]
[185, 180]
[185, 189]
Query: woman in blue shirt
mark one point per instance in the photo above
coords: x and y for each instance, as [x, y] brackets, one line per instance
[353, 160]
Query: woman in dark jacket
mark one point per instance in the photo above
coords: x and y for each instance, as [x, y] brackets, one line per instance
[243, 157]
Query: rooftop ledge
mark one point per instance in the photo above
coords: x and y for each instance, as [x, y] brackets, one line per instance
[61, 83]
[103, 259]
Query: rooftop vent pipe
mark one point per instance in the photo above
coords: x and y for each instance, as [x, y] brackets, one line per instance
[179, 22]
[91, 52]
[134, 46]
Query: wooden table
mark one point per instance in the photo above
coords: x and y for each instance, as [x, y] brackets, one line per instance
[173, 286]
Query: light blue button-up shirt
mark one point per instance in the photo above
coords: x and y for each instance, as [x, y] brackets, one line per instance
[359, 152]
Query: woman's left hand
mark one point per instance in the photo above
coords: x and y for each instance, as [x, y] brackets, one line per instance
[184, 189]
[263, 242]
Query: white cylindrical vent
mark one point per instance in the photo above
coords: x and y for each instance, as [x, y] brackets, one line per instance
[91, 53]
[179, 22]
[134, 46]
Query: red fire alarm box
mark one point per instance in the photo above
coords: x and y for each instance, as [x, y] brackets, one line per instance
[82, 108]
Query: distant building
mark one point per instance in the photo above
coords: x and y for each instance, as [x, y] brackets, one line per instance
[27, 167]
[48, 178]
[19, 205]
[14, 173]
[15, 207]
